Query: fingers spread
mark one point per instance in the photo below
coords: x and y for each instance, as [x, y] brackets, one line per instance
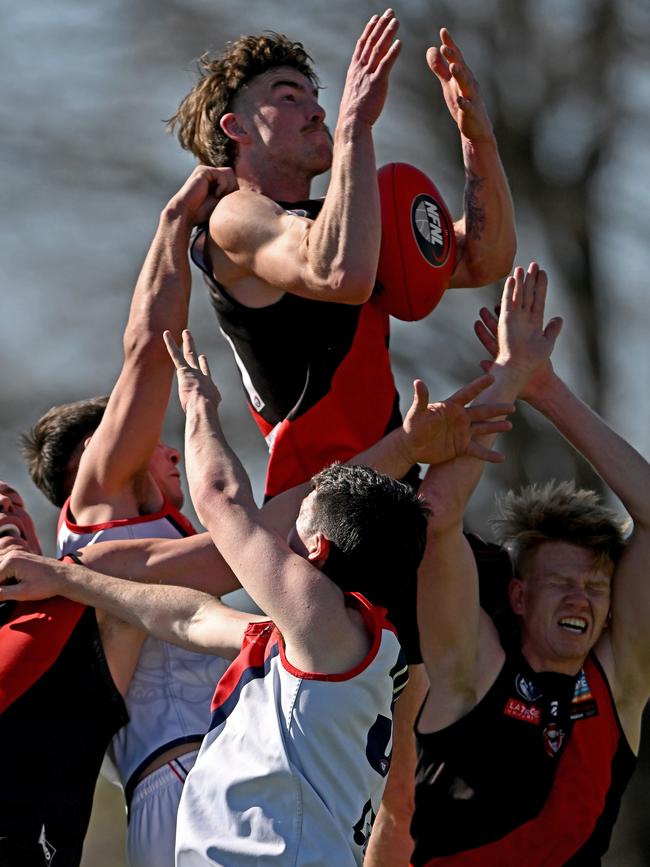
[476, 450]
[472, 390]
[481, 428]
[486, 337]
[173, 349]
[377, 40]
[420, 394]
[189, 349]
[489, 410]
[437, 64]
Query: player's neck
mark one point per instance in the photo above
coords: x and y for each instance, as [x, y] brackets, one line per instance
[280, 186]
[540, 662]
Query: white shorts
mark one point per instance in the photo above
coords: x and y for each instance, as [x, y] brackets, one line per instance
[151, 835]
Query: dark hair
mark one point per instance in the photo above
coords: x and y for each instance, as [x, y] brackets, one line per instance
[49, 446]
[376, 528]
[557, 512]
[220, 80]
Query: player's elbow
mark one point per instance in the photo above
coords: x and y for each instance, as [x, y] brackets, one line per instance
[492, 265]
[348, 287]
[144, 346]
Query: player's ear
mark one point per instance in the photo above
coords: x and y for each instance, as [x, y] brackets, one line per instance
[516, 595]
[318, 550]
[86, 441]
[231, 124]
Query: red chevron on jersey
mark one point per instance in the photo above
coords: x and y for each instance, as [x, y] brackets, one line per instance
[31, 641]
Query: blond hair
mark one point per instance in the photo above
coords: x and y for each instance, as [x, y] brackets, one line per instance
[558, 512]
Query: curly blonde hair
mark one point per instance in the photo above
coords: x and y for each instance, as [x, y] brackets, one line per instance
[558, 512]
[220, 80]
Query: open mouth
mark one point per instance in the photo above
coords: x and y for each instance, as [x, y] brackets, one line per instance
[10, 530]
[576, 625]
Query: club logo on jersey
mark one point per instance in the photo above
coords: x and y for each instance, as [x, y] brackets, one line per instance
[379, 745]
[553, 739]
[527, 688]
[431, 229]
[526, 713]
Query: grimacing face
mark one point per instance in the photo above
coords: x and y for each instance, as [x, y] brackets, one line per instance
[15, 521]
[563, 600]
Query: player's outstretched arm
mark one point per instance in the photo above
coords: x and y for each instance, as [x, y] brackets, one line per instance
[627, 474]
[458, 642]
[306, 606]
[183, 616]
[188, 562]
[485, 236]
[334, 257]
[120, 450]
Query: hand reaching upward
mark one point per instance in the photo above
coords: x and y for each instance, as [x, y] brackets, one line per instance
[510, 338]
[460, 89]
[438, 432]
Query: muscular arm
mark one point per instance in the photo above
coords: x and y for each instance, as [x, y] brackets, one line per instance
[185, 617]
[485, 235]
[308, 608]
[118, 454]
[333, 258]
[430, 433]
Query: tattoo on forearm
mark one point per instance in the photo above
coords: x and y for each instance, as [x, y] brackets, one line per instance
[474, 210]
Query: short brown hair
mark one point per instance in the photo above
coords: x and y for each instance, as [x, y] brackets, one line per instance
[51, 443]
[220, 80]
[558, 512]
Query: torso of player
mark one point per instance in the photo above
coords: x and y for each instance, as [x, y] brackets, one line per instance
[56, 730]
[538, 765]
[168, 698]
[314, 372]
[294, 764]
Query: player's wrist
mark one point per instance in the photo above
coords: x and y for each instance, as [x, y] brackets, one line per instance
[176, 214]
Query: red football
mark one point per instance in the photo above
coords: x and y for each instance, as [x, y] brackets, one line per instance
[418, 247]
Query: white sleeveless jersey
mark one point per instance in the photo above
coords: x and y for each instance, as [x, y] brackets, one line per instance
[168, 699]
[293, 768]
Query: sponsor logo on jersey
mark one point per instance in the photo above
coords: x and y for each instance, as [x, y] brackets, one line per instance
[584, 709]
[583, 704]
[527, 688]
[553, 739]
[431, 229]
[526, 713]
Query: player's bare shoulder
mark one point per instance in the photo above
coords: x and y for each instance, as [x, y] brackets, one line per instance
[244, 220]
[256, 248]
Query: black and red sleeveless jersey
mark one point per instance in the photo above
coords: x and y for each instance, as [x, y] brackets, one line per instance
[533, 774]
[60, 709]
[317, 374]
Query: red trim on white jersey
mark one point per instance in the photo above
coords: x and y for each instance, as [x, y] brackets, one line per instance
[165, 511]
[374, 620]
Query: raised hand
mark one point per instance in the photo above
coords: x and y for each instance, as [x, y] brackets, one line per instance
[193, 371]
[366, 83]
[518, 338]
[486, 329]
[438, 432]
[460, 89]
[202, 190]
